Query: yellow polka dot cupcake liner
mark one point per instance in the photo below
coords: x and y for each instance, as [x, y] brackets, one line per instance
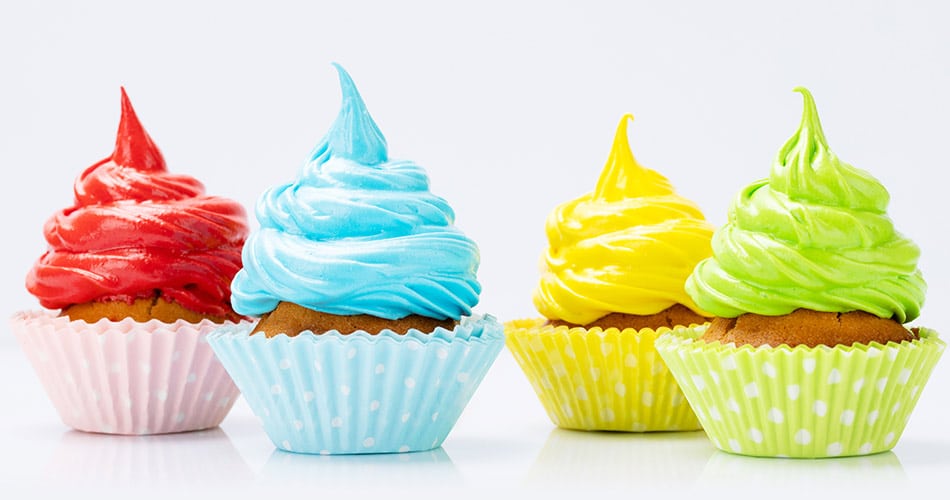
[599, 380]
[801, 402]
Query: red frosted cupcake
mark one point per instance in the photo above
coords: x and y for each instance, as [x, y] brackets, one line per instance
[137, 272]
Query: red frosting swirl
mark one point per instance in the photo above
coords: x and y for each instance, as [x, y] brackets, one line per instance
[136, 229]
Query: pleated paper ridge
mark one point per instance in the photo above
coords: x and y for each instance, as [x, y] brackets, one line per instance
[360, 393]
[127, 377]
[596, 379]
[801, 402]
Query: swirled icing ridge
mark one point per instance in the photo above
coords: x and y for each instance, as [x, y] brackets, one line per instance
[357, 233]
[814, 235]
[626, 247]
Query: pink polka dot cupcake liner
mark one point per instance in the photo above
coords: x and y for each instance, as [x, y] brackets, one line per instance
[359, 393]
[127, 377]
[801, 402]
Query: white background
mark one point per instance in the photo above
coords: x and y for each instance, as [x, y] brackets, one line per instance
[511, 107]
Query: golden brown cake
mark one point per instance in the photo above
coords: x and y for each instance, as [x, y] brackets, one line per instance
[671, 317]
[292, 319]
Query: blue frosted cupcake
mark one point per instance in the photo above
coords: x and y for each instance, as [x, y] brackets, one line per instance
[364, 287]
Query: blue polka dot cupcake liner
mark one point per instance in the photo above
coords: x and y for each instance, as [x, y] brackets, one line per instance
[803, 402]
[360, 393]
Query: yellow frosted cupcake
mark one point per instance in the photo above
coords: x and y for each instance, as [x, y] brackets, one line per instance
[612, 281]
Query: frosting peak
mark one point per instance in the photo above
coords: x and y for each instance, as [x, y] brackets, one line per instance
[626, 247]
[133, 146]
[357, 233]
[623, 176]
[814, 235]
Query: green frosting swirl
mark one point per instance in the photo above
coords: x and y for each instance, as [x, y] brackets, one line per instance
[814, 235]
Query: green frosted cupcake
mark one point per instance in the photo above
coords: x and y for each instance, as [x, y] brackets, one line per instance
[811, 286]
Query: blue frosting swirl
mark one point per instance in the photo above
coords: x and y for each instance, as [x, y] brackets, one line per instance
[357, 233]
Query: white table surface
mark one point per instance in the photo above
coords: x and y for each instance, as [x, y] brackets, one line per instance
[503, 443]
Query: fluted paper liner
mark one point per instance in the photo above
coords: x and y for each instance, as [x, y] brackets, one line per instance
[127, 377]
[360, 393]
[596, 379]
[802, 401]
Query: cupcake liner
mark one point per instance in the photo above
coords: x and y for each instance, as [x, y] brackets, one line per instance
[608, 380]
[801, 401]
[360, 393]
[127, 377]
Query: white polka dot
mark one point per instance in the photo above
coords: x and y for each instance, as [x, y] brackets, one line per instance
[729, 363]
[647, 398]
[318, 366]
[351, 353]
[191, 378]
[442, 353]
[803, 436]
[768, 369]
[224, 401]
[895, 408]
[569, 352]
[345, 390]
[733, 406]
[735, 446]
[284, 364]
[888, 438]
[115, 367]
[161, 395]
[380, 368]
[620, 389]
[276, 389]
[881, 384]
[677, 399]
[373, 405]
[834, 376]
[714, 376]
[286, 445]
[913, 391]
[755, 435]
[462, 377]
[413, 346]
[209, 395]
[545, 382]
[403, 449]
[872, 417]
[858, 385]
[568, 411]
[266, 412]
[595, 373]
[808, 364]
[179, 418]
[308, 396]
[606, 348]
[865, 448]
[536, 345]
[776, 415]
[904, 376]
[834, 449]
[368, 442]
[658, 367]
[324, 452]
[820, 408]
[751, 390]
[581, 393]
[714, 414]
[405, 417]
[336, 422]
[698, 382]
[435, 416]
[793, 390]
[176, 356]
[892, 354]
[126, 402]
[847, 417]
[298, 424]
[94, 395]
[608, 414]
[410, 382]
[630, 360]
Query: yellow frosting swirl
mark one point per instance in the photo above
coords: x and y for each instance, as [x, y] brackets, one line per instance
[626, 247]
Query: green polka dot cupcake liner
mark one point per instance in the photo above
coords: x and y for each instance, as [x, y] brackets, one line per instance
[800, 401]
[336, 394]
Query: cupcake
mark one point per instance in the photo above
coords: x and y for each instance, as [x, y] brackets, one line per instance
[811, 286]
[135, 276]
[611, 282]
[366, 341]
